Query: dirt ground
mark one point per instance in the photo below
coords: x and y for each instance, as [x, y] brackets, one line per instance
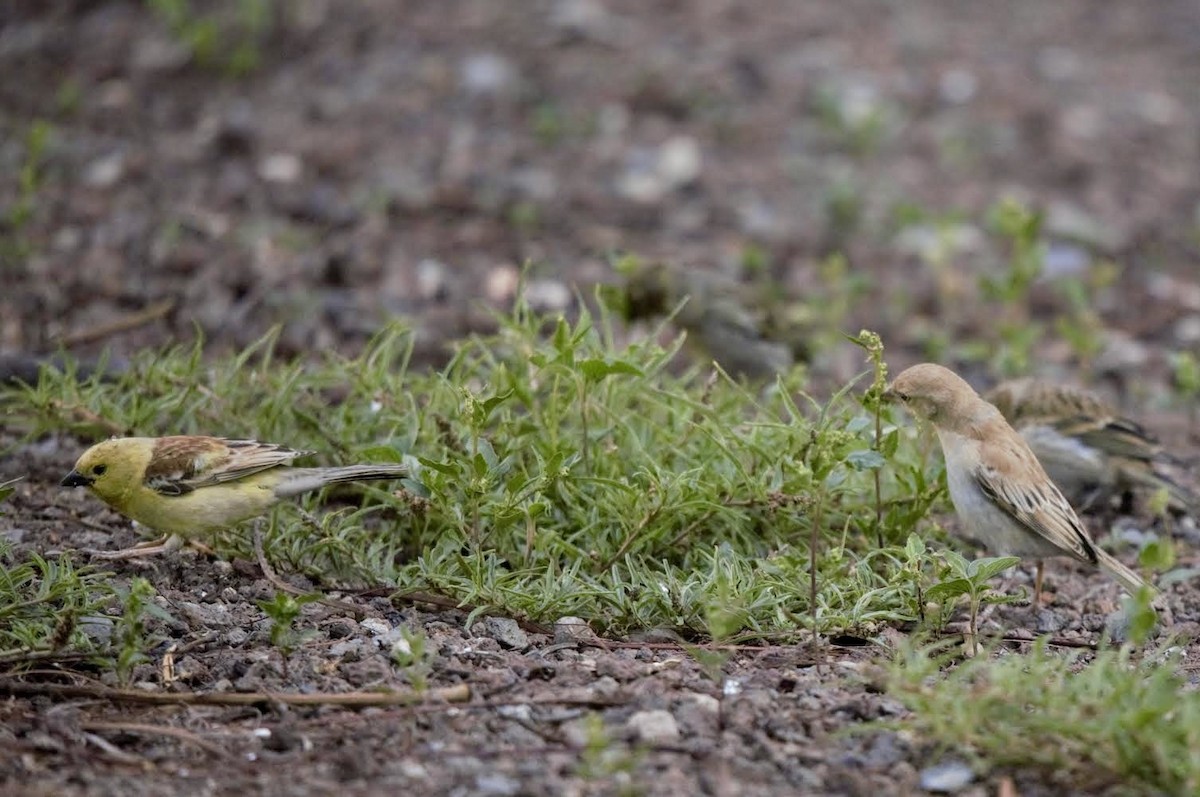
[404, 159]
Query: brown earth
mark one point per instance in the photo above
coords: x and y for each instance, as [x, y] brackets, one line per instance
[391, 158]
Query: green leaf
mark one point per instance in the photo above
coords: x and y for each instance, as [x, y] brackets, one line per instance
[1157, 555]
[952, 588]
[956, 562]
[865, 459]
[7, 488]
[981, 570]
[492, 403]
[594, 369]
[859, 423]
[448, 468]
[382, 454]
[562, 336]
[1140, 616]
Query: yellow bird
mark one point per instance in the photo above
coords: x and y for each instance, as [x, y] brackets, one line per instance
[190, 486]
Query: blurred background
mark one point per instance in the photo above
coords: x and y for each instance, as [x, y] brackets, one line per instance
[1006, 188]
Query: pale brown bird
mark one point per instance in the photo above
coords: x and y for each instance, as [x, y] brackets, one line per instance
[1086, 446]
[720, 317]
[190, 486]
[1001, 492]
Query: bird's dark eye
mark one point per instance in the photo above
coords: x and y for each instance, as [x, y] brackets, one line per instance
[98, 470]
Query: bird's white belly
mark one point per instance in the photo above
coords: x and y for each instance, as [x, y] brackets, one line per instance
[985, 523]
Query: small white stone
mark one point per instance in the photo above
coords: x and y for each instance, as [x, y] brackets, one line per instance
[654, 727]
[281, 167]
[500, 285]
[376, 626]
[548, 296]
[680, 161]
[958, 86]
[947, 778]
[105, 172]
[706, 703]
[1158, 108]
[413, 769]
[487, 73]
[1187, 329]
[431, 278]
[571, 629]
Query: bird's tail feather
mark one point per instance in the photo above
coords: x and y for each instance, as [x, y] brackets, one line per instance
[303, 480]
[1183, 497]
[1161, 473]
[1128, 579]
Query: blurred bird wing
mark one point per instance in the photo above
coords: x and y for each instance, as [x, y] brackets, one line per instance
[1073, 412]
[1120, 437]
[184, 463]
[1012, 479]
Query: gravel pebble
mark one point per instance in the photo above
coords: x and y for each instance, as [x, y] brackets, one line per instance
[653, 727]
[504, 630]
[947, 778]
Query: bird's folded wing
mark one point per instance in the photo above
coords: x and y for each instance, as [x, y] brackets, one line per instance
[1012, 479]
[185, 463]
[1120, 437]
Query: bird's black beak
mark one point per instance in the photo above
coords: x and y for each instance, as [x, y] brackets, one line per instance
[888, 394]
[76, 479]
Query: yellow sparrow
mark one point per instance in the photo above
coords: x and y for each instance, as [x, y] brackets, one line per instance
[191, 486]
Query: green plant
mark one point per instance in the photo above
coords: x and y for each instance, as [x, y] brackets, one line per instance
[552, 474]
[970, 578]
[1186, 370]
[1118, 720]
[873, 402]
[853, 116]
[15, 245]
[41, 602]
[283, 609]
[411, 653]
[228, 39]
[1081, 326]
[1017, 332]
[604, 759]
[130, 638]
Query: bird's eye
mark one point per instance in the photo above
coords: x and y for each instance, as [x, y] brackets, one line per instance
[98, 470]
[902, 396]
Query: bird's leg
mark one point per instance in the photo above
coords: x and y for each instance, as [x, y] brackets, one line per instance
[1037, 584]
[1090, 498]
[164, 544]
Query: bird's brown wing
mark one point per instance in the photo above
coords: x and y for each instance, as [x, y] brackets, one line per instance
[1011, 478]
[183, 463]
[1120, 437]
[1073, 412]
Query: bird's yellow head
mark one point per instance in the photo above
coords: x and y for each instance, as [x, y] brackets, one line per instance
[112, 468]
[933, 393]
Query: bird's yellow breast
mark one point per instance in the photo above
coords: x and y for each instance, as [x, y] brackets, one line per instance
[204, 510]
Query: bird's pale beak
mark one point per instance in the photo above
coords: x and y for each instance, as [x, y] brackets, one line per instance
[76, 479]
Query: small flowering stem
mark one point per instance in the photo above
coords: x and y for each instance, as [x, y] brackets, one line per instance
[874, 401]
